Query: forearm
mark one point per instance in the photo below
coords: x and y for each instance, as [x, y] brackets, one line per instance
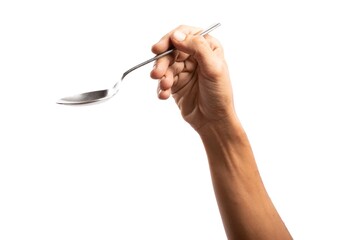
[244, 204]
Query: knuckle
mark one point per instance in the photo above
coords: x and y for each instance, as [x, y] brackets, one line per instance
[199, 40]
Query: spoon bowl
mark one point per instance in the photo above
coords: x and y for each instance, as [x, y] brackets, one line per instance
[105, 94]
[87, 97]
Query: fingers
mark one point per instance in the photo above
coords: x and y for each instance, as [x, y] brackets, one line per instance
[168, 80]
[165, 44]
[164, 86]
[161, 71]
[204, 49]
[161, 66]
[163, 94]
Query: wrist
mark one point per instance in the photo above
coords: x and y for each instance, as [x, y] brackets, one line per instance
[227, 128]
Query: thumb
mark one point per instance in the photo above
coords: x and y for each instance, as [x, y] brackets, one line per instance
[195, 45]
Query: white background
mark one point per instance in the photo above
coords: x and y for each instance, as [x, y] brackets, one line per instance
[131, 168]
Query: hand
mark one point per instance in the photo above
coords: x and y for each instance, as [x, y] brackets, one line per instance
[196, 75]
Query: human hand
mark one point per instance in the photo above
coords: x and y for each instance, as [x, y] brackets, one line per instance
[196, 75]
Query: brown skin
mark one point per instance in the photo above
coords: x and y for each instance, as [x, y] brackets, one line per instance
[197, 76]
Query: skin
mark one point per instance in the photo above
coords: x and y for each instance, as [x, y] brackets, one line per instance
[197, 77]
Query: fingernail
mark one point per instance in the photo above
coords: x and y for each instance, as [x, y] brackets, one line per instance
[179, 36]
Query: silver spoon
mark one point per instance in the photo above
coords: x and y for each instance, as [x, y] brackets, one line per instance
[102, 95]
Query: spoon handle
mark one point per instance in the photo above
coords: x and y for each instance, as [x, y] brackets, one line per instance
[206, 31]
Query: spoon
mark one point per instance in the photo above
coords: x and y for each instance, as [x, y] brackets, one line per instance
[102, 95]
